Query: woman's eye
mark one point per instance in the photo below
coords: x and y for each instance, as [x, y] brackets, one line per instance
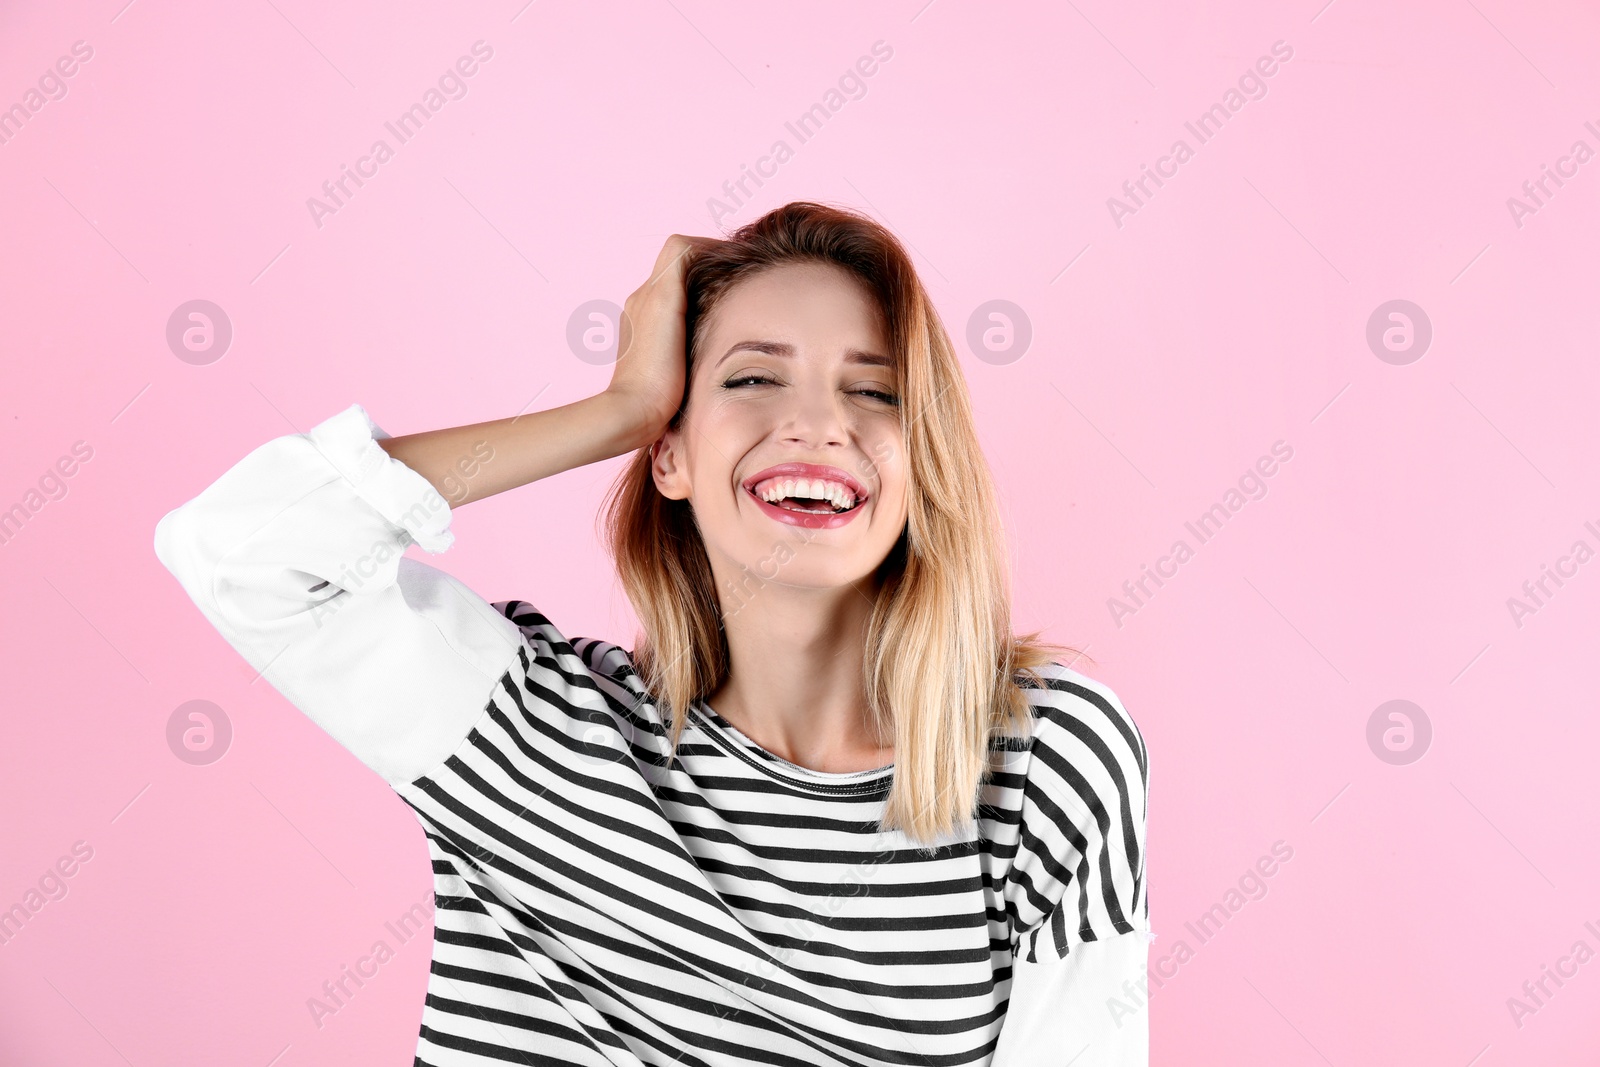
[756, 379]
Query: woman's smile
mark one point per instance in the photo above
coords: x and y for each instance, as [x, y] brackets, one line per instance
[813, 495]
[815, 515]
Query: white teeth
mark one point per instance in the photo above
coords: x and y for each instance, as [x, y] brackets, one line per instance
[776, 489]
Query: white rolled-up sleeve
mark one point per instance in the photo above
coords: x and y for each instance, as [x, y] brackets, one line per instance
[1087, 1010]
[1076, 888]
[295, 555]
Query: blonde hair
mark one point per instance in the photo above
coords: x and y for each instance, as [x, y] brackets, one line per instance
[942, 664]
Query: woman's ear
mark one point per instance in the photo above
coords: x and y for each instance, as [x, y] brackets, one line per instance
[666, 466]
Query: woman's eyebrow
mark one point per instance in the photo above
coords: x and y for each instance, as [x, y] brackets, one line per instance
[781, 348]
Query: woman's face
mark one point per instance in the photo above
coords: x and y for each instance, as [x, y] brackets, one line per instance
[793, 370]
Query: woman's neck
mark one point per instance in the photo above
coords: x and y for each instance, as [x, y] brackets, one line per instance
[796, 678]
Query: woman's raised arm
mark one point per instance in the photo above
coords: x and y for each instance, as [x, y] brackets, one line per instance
[296, 554]
[647, 383]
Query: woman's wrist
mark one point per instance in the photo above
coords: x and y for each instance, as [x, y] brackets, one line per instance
[638, 424]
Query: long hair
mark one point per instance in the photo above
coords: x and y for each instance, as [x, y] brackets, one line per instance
[942, 665]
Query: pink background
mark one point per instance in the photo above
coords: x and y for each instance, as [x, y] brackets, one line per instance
[1227, 313]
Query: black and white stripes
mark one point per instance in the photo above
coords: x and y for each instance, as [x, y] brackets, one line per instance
[601, 903]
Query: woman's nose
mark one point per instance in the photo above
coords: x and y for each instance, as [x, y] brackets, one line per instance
[818, 417]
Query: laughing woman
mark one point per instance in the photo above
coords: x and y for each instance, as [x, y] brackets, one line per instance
[830, 809]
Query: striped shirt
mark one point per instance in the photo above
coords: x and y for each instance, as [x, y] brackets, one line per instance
[602, 901]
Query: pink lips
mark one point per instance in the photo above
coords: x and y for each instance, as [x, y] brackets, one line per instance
[808, 471]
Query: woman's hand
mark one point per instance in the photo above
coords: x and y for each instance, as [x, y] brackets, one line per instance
[651, 357]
